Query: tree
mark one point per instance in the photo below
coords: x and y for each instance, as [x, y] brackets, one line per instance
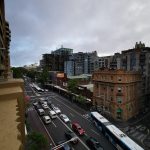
[43, 76]
[18, 72]
[81, 99]
[32, 74]
[72, 85]
[36, 141]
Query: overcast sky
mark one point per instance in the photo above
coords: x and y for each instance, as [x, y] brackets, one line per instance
[107, 26]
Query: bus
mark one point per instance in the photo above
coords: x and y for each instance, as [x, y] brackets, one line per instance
[38, 89]
[119, 139]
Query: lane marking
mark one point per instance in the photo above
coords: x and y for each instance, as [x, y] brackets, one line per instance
[95, 132]
[54, 124]
[71, 114]
[46, 130]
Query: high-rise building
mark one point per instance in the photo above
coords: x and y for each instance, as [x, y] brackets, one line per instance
[4, 44]
[117, 92]
[138, 59]
[12, 104]
[55, 61]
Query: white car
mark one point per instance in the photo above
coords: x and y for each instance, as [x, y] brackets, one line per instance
[64, 118]
[46, 119]
[45, 106]
[57, 110]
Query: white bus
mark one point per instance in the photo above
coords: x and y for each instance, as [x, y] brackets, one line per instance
[119, 139]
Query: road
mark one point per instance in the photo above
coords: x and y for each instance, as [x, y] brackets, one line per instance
[55, 130]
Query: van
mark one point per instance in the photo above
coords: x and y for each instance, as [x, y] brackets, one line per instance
[41, 112]
[52, 114]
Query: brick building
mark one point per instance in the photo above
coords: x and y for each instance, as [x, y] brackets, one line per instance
[117, 92]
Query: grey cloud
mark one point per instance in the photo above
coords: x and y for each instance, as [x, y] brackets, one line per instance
[103, 25]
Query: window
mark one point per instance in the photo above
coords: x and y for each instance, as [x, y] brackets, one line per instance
[119, 78]
[119, 100]
[119, 89]
[111, 77]
[112, 89]
[111, 98]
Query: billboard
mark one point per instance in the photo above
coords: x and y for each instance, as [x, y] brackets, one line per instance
[60, 75]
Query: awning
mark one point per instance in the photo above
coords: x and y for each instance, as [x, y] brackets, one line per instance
[119, 110]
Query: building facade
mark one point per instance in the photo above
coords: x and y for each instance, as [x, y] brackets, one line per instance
[5, 36]
[138, 59]
[55, 61]
[12, 104]
[117, 92]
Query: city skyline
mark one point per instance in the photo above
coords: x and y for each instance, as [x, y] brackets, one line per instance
[105, 26]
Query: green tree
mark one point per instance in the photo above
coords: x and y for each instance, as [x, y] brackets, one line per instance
[72, 85]
[43, 76]
[36, 141]
[18, 72]
[81, 99]
[32, 74]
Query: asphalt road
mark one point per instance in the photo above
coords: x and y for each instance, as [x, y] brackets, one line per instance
[55, 130]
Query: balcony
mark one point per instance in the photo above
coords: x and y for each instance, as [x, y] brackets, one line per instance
[2, 67]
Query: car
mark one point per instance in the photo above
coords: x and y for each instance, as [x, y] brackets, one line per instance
[71, 136]
[57, 110]
[46, 90]
[93, 144]
[77, 128]
[40, 112]
[45, 106]
[46, 119]
[64, 118]
[52, 114]
[49, 103]
[37, 107]
[52, 106]
[62, 146]
[35, 104]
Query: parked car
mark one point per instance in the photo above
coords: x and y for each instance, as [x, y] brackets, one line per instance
[71, 135]
[46, 90]
[93, 144]
[46, 119]
[77, 128]
[44, 105]
[57, 110]
[52, 114]
[37, 107]
[64, 118]
[49, 103]
[40, 112]
[35, 104]
[65, 146]
[52, 106]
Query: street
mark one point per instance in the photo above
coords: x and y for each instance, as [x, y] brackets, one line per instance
[56, 129]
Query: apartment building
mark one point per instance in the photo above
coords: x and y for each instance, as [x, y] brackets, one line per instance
[55, 61]
[138, 59]
[5, 36]
[12, 105]
[117, 92]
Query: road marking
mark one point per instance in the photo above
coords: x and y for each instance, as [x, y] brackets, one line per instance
[46, 130]
[54, 124]
[94, 132]
[71, 114]
[75, 134]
